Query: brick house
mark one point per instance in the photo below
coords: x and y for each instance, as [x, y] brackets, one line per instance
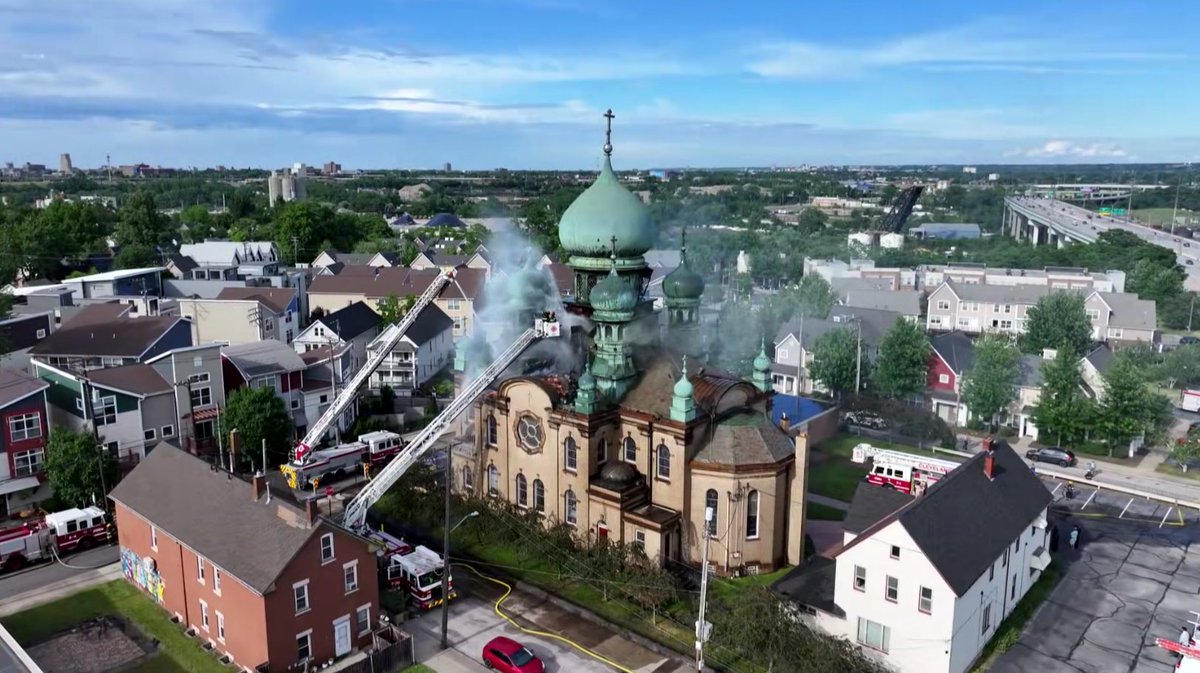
[22, 441]
[268, 582]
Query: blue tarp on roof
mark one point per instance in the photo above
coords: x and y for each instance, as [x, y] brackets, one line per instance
[798, 409]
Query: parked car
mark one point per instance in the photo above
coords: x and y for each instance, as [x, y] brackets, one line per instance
[865, 419]
[1189, 340]
[509, 656]
[1051, 454]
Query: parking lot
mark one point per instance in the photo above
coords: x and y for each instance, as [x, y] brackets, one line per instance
[1129, 582]
[473, 622]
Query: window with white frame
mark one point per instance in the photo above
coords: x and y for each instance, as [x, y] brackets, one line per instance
[28, 463]
[630, 448]
[220, 627]
[327, 548]
[1006, 324]
[452, 304]
[987, 619]
[201, 377]
[873, 635]
[860, 578]
[216, 580]
[468, 479]
[664, 462]
[200, 569]
[781, 354]
[570, 454]
[362, 619]
[493, 480]
[201, 397]
[925, 602]
[167, 430]
[895, 553]
[25, 426]
[1093, 314]
[570, 515]
[106, 410]
[149, 434]
[943, 378]
[892, 589]
[943, 305]
[154, 538]
[752, 515]
[493, 435]
[300, 596]
[304, 646]
[639, 540]
[1116, 333]
[204, 615]
[539, 496]
[41, 334]
[350, 576]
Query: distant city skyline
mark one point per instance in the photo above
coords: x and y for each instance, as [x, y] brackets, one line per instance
[522, 83]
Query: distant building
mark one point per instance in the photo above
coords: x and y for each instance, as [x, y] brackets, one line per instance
[743, 262]
[64, 164]
[969, 169]
[946, 230]
[287, 185]
[993, 177]
[447, 167]
[331, 168]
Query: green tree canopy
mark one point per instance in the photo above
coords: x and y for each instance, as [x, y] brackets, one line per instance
[903, 362]
[990, 385]
[1059, 320]
[835, 361]
[392, 309]
[78, 469]
[1062, 412]
[258, 414]
[813, 296]
[1128, 408]
[140, 223]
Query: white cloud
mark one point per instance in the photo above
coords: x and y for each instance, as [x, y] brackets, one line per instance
[981, 45]
[1066, 149]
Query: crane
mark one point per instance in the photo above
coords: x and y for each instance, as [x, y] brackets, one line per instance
[346, 397]
[355, 515]
[902, 207]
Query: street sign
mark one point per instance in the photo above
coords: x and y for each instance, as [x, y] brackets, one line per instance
[1119, 211]
[1106, 211]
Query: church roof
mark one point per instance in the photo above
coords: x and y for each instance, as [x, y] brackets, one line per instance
[652, 393]
[746, 439]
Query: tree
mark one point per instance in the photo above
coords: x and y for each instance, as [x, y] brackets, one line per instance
[140, 223]
[392, 310]
[811, 221]
[1180, 366]
[990, 385]
[1186, 449]
[835, 360]
[134, 256]
[903, 362]
[300, 226]
[1062, 410]
[78, 469]
[1059, 320]
[258, 414]
[814, 296]
[1126, 405]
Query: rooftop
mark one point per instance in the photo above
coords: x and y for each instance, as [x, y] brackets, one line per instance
[352, 320]
[16, 386]
[275, 298]
[262, 358]
[431, 322]
[138, 379]
[377, 283]
[121, 337]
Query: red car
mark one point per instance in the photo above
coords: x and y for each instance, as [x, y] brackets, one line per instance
[509, 656]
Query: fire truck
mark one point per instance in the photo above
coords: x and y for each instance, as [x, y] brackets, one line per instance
[56, 533]
[416, 570]
[373, 448]
[1189, 653]
[902, 471]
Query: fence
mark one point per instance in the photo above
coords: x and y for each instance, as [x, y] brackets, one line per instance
[391, 650]
[897, 438]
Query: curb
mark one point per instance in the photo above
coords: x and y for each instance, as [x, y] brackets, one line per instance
[37, 597]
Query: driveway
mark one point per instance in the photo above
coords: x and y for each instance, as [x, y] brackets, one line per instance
[473, 622]
[1128, 584]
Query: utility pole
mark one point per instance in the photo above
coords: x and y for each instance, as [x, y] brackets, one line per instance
[703, 628]
[1191, 311]
[1175, 210]
[87, 390]
[295, 249]
[333, 381]
[446, 557]
[858, 358]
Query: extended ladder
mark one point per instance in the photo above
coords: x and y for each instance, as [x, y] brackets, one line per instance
[356, 510]
[346, 397]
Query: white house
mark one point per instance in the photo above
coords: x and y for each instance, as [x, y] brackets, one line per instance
[922, 583]
[355, 325]
[425, 349]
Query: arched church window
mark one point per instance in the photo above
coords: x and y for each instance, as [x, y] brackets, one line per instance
[664, 462]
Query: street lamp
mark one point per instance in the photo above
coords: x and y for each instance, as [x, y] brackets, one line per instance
[446, 578]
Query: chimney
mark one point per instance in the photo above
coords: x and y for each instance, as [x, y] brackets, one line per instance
[311, 511]
[989, 458]
[784, 423]
[259, 483]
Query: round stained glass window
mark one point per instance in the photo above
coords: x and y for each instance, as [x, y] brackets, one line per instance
[529, 433]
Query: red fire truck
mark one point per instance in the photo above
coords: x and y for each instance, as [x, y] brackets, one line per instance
[56, 533]
[902, 471]
[417, 570]
[373, 448]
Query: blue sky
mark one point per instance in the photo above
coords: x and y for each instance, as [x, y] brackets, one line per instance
[523, 83]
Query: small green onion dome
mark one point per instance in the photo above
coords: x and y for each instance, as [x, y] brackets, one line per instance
[613, 298]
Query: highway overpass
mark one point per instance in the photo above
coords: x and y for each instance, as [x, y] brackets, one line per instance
[1053, 222]
[1091, 192]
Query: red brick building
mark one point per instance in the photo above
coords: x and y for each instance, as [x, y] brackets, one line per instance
[23, 432]
[268, 582]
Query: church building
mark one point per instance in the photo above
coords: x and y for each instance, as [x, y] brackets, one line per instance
[636, 443]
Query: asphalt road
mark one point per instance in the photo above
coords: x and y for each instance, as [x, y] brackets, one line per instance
[44, 574]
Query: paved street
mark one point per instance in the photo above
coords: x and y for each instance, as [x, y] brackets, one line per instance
[45, 574]
[473, 623]
[1127, 585]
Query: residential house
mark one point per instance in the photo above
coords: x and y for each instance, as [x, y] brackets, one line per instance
[180, 266]
[25, 420]
[1019, 415]
[796, 338]
[21, 332]
[1093, 369]
[267, 364]
[221, 260]
[445, 220]
[951, 357]
[355, 325]
[244, 314]
[327, 368]
[1121, 318]
[120, 283]
[906, 303]
[923, 587]
[94, 338]
[928, 277]
[459, 299]
[425, 349]
[436, 260]
[267, 582]
[331, 257]
[198, 378]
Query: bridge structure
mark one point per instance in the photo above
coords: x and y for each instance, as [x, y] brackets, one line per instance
[1058, 223]
[1091, 193]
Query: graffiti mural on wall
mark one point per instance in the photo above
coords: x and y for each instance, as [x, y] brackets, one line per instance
[142, 572]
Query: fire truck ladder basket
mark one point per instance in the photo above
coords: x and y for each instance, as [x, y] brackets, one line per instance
[356, 510]
[347, 395]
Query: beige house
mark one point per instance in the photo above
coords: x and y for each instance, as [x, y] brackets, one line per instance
[1118, 317]
[634, 475]
[243, 315]
[372, 285]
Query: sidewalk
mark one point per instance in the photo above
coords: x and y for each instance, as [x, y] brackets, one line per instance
[453, 661]
[73, 585]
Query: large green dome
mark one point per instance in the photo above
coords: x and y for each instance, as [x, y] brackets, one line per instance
[604, 211]
[683, 283]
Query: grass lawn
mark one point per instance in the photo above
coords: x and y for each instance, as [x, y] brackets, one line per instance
[1159, 216]
[820, 512]
[1175, 471]
[832, 473]
[730, 588]
[843, 445]
[418, 668]
[178, 652]
[1010, 629]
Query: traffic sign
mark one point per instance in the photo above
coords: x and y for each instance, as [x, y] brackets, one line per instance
[1119, 211]
[1106, 211]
